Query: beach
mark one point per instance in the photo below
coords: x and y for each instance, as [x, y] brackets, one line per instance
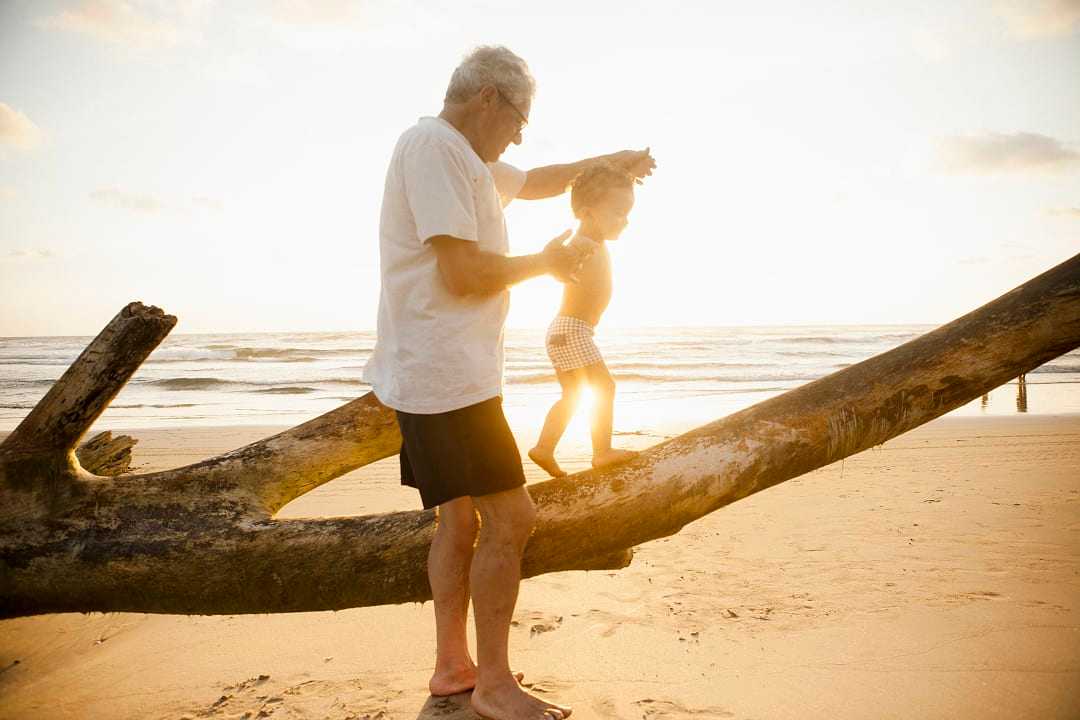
[936, 576]
[238, 240]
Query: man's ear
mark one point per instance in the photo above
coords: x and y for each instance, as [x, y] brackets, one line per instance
[489, 94]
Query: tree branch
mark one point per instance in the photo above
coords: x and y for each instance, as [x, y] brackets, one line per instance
[83, 392]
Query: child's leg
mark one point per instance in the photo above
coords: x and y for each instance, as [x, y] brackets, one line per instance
[557, 419]
[603, 387]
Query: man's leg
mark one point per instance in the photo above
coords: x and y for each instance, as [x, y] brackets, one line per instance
[556, 421]
[449, 562]
[506, 520]
[603, 387]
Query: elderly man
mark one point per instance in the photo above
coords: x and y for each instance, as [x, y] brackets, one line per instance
[438, 358]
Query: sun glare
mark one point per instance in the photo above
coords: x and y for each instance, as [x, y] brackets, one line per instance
[585, 405]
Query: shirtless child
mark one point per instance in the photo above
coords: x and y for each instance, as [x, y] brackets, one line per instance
[601, 198]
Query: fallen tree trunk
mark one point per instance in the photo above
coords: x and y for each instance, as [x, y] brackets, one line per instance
[201, 539]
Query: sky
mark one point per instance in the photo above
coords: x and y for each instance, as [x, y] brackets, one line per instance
[863, 162]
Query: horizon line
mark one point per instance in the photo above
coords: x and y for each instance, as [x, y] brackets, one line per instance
[701, 326]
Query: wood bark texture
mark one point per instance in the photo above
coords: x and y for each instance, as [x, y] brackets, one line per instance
[104, 454]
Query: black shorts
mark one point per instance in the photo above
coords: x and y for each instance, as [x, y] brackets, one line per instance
[464, 452]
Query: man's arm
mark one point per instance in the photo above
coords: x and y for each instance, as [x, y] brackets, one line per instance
[551, 180]
[467, 270]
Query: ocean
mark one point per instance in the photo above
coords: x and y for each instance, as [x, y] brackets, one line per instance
[669, 379]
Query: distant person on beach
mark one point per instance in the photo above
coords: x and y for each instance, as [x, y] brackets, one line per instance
[601, 199]
[438, 359]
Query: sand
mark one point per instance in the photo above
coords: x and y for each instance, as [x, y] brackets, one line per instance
[935, 577]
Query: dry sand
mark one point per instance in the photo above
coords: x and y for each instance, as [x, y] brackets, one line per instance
[935, 577]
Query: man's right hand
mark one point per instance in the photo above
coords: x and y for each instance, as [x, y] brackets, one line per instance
[562, 261]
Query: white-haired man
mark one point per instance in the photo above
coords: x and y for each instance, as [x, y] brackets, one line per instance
[438, 358]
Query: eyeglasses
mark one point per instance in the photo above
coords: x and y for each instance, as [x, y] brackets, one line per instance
[523, 121]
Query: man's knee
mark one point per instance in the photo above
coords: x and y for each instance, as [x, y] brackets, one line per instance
[518, 515]
[507, 516]
[526, 515]
[457, 523]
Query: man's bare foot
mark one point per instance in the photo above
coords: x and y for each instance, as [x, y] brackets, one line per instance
[612, 456]
[512, 703]
[546, 460]
[458, 680]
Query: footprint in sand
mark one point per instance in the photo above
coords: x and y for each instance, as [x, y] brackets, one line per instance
[671, 710]
[231, 695]
[549, 685]
[253, 698]
[249, 683]
[454, 707]
[976, 595]
[605, 707]
[1040, 604]
[608, 623]
[538, 622]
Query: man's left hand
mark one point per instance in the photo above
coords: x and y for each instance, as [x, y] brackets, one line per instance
[639, 163]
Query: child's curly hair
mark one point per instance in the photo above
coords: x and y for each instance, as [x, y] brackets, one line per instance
[595, 182]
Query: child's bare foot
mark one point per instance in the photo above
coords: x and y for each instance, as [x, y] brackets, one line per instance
[511, 702]
[546, 459]
[612, 456]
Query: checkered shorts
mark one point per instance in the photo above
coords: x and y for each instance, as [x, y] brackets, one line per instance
[570, 344]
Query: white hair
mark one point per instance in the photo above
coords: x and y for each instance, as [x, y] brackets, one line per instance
[491, 65]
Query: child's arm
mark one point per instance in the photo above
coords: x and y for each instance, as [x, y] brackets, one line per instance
[551, 180]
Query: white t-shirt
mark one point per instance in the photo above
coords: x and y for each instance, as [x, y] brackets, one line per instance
[436, 351]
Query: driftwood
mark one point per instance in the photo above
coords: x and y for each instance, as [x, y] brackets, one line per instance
[104, 454]
[202, 538]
